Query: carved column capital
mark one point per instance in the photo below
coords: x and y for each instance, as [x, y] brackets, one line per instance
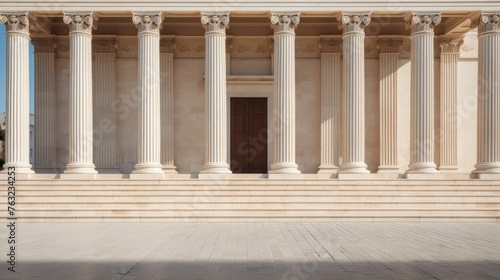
[215, 22]
[449, 45]
[330, 45]
[167, 45]
[285, 22]
[104, 45]
[488, 21]
[148, 22]
[44, 44]
[423, 22]
[389, 45]
[16, 22]
[79, 22]
[354, 21]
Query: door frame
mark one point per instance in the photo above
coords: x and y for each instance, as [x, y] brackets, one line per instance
[252, 91]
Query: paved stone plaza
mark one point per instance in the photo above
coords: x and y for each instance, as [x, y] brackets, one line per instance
[298, 251]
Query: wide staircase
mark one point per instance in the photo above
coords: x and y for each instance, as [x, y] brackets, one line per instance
[177, 200]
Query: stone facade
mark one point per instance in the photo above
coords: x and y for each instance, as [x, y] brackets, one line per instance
[355, 93]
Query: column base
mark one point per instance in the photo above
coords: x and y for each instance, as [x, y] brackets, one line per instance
[21, 168]
[284, 168]
[487, 168]
[445, 169]
[108, 170]
[384, 169]
[169, 169]
[146, 176]
[215, 168]
[47, 169]
[78, 176]
[357, 176]
[354, 168]
[148, 168]
[328, 169]
[80, 168]
[215, 176]
[422, 168]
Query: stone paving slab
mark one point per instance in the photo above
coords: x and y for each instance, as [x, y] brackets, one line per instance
[288, 251]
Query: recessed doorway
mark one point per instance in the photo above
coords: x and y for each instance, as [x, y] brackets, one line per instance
[248, 135]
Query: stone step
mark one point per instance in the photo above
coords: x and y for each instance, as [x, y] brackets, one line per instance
[267, 218]
[256, 200]
[260, 193]
[368, 212]
[194, 199]
[258, 188]
[256, 183]
[22, 206]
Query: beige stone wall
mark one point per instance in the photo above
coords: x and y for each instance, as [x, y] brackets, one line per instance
[308, 114]
[189, 114]
[62, 112]
[251, 56]
[467, 114]
[127, 109]
[372, 116]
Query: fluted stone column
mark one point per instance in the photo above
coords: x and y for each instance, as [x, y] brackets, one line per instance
[104, 96]
[45, 111]
[488, 140]
[229, 46]
[389, 49]
[149, 154]
[284, 25]
[80, 93]
[17, 133]
[331, 52]
[354, 84]
[167, 46]
[215, 25]
[422, 93]
[450, 52]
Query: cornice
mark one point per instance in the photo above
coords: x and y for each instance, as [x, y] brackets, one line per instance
[249, 6]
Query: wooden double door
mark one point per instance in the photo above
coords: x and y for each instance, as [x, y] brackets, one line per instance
[249, 135]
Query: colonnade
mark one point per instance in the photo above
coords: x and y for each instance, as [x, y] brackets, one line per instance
[155, 142]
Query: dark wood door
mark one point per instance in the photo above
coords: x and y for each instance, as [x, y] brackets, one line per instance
[249, 135]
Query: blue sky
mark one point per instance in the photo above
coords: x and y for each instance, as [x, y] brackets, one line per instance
[3, 74]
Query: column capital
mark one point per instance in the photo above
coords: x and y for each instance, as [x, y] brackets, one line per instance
[354, 21]
[16, 22]
[80, 22]
[450, 45]
[422, 21]
[215, 22]
[285, 22]
[167, 45]
[44, 44]
[330, 45]
[488, 22]
[104, 45]
[389, 45]
[150, 22]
